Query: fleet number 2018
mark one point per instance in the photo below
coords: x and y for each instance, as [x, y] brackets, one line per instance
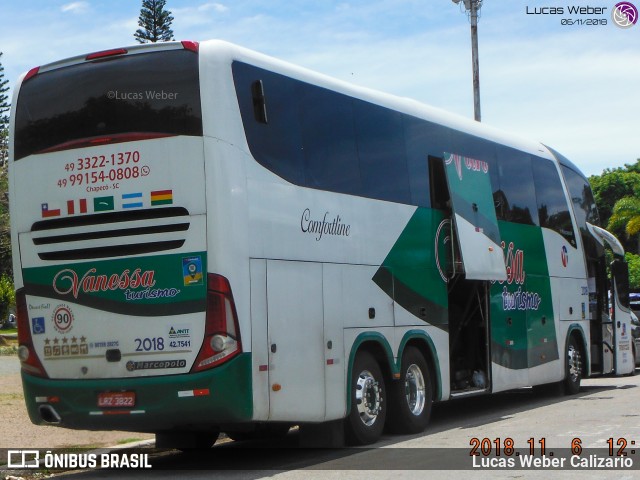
[149, 344]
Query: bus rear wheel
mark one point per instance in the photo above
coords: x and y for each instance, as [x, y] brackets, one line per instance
[573, 367]
[365, 421]
[411, 398]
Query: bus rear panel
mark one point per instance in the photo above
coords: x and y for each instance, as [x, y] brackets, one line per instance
[119, 320]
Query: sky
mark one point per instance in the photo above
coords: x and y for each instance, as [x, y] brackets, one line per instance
[573, 87]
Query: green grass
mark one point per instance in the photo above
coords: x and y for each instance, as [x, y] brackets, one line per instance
[8, 346]
[8, 351]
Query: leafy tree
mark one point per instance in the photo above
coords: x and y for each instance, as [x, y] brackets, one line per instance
[6, 266]
[609, 188]
[4, 117]
[5, 235]
[634, 270]
[155, 22]
[7, 296]
[626, 215]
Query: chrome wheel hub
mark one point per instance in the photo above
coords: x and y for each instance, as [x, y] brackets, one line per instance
[415, 391]
[575, 363]
[368, 398]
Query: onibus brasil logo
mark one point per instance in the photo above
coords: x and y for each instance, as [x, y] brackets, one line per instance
[624, 14]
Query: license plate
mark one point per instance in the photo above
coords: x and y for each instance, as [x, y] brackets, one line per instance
[116, 399]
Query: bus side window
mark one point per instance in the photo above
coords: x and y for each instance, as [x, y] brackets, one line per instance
[553, 208]
[516, 185]
[438, 182]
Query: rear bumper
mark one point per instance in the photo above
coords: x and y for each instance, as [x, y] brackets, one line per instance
[162, 403]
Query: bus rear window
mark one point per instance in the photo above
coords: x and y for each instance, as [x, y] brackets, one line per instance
[122, 98]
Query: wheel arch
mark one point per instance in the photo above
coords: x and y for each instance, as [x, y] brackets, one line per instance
[423, 342]
[575, 330]
[377, 345]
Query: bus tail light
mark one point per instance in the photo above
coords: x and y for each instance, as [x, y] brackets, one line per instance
[222, 333]
[106, 53]
[190, 45]
[26, 352]
[31, 73]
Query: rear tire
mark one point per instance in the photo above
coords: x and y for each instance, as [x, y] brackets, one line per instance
[411, 398]
[365, 421]
[573, 367]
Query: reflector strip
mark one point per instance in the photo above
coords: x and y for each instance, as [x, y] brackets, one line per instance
[117, 412]
[198, 392]
[263, 368]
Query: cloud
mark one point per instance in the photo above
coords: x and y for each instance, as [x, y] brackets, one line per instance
[218, 7]
[188, 18]
[571, 88]
[75, 7]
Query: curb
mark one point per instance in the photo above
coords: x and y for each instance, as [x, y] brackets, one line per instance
[123, 446]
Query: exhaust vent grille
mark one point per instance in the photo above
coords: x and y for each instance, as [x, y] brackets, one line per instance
[114, 234]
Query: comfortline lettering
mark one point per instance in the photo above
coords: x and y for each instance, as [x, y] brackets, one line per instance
[322, 227]
[67, 281]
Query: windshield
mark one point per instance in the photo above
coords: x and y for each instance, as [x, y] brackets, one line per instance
[146, 94]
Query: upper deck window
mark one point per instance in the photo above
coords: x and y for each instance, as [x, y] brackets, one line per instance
[146, 94]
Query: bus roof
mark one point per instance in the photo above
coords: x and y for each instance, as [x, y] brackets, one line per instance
[228, 52]
[231, 52]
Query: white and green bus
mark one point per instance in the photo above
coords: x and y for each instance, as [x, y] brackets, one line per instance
[206, 240]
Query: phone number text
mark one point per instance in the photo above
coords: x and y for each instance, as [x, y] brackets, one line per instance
[110, 175]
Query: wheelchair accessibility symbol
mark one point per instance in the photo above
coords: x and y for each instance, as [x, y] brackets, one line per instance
[37, 325]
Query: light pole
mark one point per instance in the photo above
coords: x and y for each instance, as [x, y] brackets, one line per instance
[473, 7]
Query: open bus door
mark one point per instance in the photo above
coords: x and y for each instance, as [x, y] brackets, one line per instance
[475, 220]
[616, 344]
[477, 259]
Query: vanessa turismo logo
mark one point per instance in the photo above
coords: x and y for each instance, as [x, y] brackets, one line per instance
[624, 14]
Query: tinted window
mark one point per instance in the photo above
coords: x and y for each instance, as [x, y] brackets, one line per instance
[553, 210]
[581, 196]
[329, 141]
[381, 150]
[584, 208]
[516, 195]
[478, 149]
[423, 140]
[141, 93]
[318, 138]
[277, 144]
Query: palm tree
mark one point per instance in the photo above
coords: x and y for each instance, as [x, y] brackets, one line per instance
[626, 214]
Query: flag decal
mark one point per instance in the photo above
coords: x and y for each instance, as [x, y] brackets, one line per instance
[161, 197]
[47, 212]
[132, 200]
